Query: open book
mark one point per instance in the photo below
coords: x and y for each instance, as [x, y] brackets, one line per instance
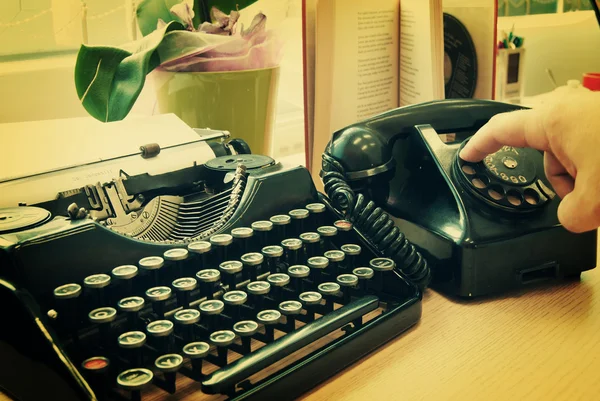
[362, 58]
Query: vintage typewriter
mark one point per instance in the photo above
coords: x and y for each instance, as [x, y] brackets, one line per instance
[196, 268]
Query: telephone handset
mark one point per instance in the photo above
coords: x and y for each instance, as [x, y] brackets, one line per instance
[468, 229]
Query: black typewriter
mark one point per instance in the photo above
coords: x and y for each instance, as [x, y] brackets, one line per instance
[230, 277]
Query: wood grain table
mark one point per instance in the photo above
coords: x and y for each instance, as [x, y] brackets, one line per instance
[539, 344]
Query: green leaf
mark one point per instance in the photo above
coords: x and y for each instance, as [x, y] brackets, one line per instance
[109, 80]
[150, 11]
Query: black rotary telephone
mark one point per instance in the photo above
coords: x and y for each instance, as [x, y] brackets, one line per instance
[468, 229]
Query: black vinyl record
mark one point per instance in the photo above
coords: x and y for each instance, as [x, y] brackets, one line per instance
[460, 60]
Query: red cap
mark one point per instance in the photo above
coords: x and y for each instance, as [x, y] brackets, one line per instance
[591, 80]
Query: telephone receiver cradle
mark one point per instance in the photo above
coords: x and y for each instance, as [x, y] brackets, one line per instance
[466, 229]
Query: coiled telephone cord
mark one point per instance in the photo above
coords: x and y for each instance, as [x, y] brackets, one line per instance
[375, 225]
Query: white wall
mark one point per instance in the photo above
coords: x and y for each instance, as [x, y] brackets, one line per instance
[568, 44]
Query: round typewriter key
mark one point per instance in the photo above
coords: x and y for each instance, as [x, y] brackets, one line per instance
[328, 288]
[221, 244]
[299, 221]
[96, 281]
[131, 304]
[155, 294]
[212, 307]
[298, 273]
[132, 339]
[352, 252]
[278, 279]
[310, 298]
[335, 258]
[168, 363]
[231, 268]
[253, 262]
[187, 316]
[262, 229]
[195, 350]
[103, 315]
[315, 207]
[348, 281]
[235, 297]
[222, 338]
[184, 286]
[209, 275]
[317, 264]
[245, 328]
[290, 307]
[160, 328]
[363, 273]
[310, 237]
[243, 240]
[199, 247]
[299, 214]
[327, 231]
[273, 254]
[258, 287]
[176, 254]
[134, 379]
[317, 212]
[343, 225]
[268, 317]
[151, 263]
[125, 272]
[382, 264]
[292, 244]
[280, 221]
[292, 248]
[67, 291]
[312, 242]
[96, 364]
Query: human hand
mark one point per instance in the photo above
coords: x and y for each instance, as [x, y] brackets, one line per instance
[567, 130]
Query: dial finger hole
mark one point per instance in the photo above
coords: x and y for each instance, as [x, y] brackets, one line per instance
[480, 182]
[514, 198]
[496, 192]
[531, 197]
[468, 169]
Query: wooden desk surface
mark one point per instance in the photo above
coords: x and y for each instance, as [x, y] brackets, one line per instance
[541, 344]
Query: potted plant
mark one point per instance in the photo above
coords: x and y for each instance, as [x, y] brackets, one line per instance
[206, 67]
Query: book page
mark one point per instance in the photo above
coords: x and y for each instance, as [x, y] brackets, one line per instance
[479, 17]
[419, 38]
[356, 65]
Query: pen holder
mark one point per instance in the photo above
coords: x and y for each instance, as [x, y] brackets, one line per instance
[509, 75]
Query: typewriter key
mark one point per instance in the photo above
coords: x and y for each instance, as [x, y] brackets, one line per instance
[186, 319]
[184, 286]
[67, 291]
[131, 306]
[178, 256]
[317, 213]
[230, 270]
[96, 287]
[364, 274]
[124, 276]
[134, 380]
[348, 281]
[246, 329]
[310, 298]
[235, 300]
[257, 291]
[317, 264]
[221, 243]
[329, 292]
[335, 258]
[292, 248]
[298, 273]
[243, 240]
[252, 262]
[200, 251]
[299, 221]
[211, 310]
[168, 364]
[381, 266]
[344, 228]
[273, 253]
[290, 309]
[153, 265]
[67, 307]
[352, 252]
[269, 318]
[158, 296]
[222, 339]
[262, 229]
[312, 242]
[95, 369]
[328, 234]
[209, 279]
[280, 221]
[161, 331]
[196, 351]
[278, 281]
[132, 343]
[103, 318]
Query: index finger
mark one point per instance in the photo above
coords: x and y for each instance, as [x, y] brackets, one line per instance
[521, 128]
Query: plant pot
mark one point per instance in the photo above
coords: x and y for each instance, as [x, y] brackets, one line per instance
[241, 102]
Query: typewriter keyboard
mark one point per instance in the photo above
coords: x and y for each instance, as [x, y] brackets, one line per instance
[220, 316]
